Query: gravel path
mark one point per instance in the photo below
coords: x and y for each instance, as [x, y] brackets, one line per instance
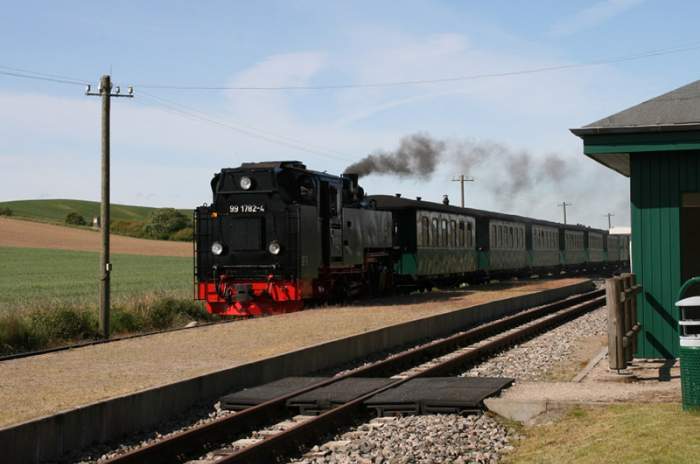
[417, 439]
[535, 358]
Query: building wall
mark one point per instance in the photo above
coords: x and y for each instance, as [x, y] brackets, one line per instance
[657, 182]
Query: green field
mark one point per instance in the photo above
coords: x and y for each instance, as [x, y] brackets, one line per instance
[56, 210]
[33, 278]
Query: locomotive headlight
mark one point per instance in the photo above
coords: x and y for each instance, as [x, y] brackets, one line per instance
[246, 183]
[274, 247]
[217, 248]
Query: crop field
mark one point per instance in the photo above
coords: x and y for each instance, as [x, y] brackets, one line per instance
[33, 277]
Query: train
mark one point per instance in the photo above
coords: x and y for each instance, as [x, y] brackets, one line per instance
[277, 235]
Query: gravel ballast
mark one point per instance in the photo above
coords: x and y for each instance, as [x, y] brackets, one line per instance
[452, 438]
[534, 359]
[430, 439]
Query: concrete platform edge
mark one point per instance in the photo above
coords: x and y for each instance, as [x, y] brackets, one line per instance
[49, 438]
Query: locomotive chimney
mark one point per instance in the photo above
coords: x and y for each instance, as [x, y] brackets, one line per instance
[353, 180]
[419, 198]
[398, 195]
[445, 200]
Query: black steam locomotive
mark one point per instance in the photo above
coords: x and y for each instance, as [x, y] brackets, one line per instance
[277, 234]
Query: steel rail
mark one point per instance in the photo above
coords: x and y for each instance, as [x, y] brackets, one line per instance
[178, 446]
[292, 440]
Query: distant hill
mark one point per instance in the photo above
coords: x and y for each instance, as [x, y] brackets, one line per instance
[56, 210]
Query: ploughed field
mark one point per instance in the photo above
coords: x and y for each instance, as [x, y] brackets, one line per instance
[31, 277]
[26, 234]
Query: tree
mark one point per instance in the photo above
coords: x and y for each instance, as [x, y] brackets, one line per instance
[75, 219]
[5, 212]
[164, 222]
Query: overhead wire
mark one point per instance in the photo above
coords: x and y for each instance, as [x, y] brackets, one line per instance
[598, 62]
[194, 114]
[6, 71]
[190, 113]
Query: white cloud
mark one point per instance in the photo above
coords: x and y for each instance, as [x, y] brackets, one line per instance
[592, 16]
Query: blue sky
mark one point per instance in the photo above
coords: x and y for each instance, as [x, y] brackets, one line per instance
[49, 132]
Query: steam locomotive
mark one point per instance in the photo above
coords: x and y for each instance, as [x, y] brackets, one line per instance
[278, 234]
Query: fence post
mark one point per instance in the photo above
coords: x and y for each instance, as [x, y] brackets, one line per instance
[634, 319]
[616, 355]
[627, 308]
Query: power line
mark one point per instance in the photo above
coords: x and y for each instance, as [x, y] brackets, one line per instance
[181, 110]
[194, 114]
[5, 71]
[598, 62]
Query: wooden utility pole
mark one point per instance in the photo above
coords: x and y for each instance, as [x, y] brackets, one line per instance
[105, 91]
[564, 204]
[461, 179]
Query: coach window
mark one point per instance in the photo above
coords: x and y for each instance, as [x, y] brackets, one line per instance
[460, 234]
[470, 241]
[443, 234]
[434, 233]
[520, 238]
[453, 233]
[510, 238]
[425, 231]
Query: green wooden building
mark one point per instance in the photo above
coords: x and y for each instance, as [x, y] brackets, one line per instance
[657, 145]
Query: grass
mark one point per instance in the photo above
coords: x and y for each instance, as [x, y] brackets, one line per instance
[625, 433]
[33, 278]
[56, 210]
[49, 297]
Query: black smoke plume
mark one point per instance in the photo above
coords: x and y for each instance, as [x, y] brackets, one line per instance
[506, 173]
[417, 156]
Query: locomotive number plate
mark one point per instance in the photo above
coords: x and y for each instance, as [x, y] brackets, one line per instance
[246, 209]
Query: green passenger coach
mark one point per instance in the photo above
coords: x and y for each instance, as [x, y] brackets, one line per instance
[438, 243]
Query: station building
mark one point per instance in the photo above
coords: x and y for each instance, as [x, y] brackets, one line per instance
[657, 145]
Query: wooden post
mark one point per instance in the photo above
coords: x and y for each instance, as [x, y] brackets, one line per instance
[626, 315]
[616, 354]
[635, 320]
[105, 265]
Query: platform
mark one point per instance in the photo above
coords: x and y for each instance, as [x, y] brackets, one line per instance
[68, 379]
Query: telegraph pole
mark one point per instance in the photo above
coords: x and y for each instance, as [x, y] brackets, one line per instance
[609, 215]
[461, 179]
[564, 204]
[105, 91]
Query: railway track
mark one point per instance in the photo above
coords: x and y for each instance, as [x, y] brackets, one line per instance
[269, 433]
